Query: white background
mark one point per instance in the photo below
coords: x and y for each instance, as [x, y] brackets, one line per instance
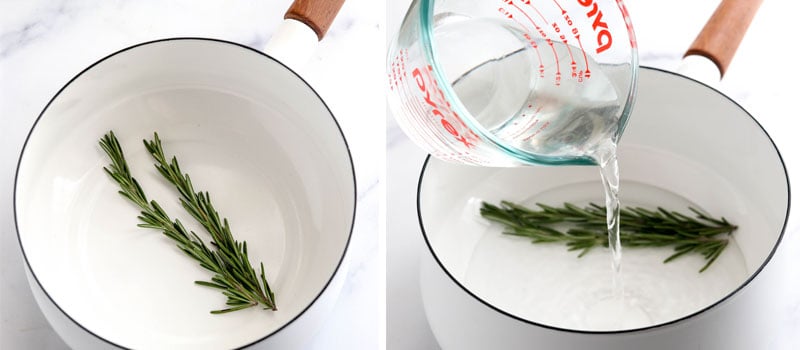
[45, 43]
[761, 78]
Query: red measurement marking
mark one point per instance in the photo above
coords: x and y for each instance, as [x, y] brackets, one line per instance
[563, 11]
[572, 63]
[398, 69]
[526, 16]
[535, 48]
[528, 37]
[585, 60]
[563, 38]
[528, 2]
[525, 128]
[543, 34]
[628, 23]
[544, 126]
[558, 66]
[529, 124]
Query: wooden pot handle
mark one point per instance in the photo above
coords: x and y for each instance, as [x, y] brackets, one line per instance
[723, 32]
[316, 14]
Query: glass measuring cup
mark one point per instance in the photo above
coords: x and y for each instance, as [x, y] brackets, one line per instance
[513, 82]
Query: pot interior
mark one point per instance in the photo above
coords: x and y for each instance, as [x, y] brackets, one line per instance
[247, 130]
[686, 145]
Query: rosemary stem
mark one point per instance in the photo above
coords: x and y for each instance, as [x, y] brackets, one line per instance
[197, 203]
[228, 261]
[639, 227]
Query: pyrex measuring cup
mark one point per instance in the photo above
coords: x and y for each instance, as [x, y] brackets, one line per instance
[513, 82]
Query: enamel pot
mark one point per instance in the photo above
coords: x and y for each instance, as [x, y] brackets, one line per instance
[250, 131]
[685, 143]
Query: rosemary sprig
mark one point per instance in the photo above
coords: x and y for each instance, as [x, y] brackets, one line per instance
[227, 261]
[639, 227]
[232, 252]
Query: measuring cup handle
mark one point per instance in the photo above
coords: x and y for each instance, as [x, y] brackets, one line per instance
[317, 14]
[724, 31]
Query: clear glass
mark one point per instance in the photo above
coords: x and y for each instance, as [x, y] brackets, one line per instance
[512, 82]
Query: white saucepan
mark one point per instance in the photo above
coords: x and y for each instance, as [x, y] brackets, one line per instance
[685, 144]
[250, 131]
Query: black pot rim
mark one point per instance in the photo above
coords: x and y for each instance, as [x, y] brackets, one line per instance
[248, 50]
[634, 330]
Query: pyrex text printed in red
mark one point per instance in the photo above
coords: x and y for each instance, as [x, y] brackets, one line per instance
[604, 38]
[447, 117]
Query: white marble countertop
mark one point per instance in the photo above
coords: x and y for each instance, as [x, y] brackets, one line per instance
[45, 43]
[759, 79]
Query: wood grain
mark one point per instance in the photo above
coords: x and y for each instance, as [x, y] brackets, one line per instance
[724, 31]
[317, 14]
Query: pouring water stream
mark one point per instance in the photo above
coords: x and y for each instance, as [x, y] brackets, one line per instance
[571, 118]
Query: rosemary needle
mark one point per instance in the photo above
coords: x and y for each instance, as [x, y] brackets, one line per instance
[230, 251]
[586, 228]
[242, 289]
